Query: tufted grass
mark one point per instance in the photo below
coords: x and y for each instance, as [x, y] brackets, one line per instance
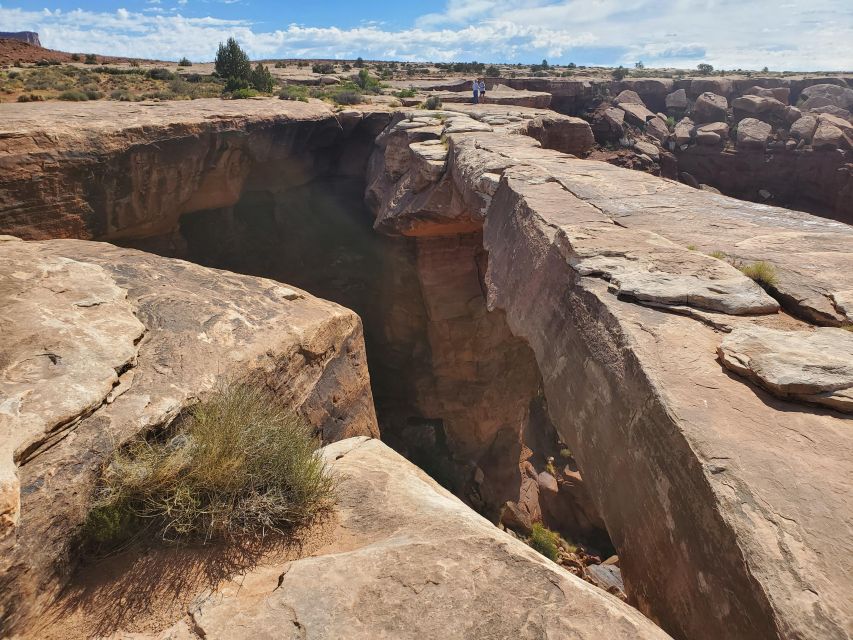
[764, 273]
[239, 464]
[545, 541]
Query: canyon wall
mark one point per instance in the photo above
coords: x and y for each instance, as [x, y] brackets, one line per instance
[522, 290]
[698, 474]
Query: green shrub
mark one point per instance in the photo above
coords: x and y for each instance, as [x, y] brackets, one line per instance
[280, 64]
[432, 103]
[545, 541]
[764, 273]
[93, 94]
[241, 94]
[231, 61]
[492, 71]
[406, 93]
[261, 79]
[324, 68]
[75, 57]
[359, 62]
[705, 69]
[159, 73]
[619, 73]
[719, 255]
[294, 92]
[238, 464]
[30, 98]
[73, 95]
[184, 62]
[366, 82]
[566, 453]
[91, 58]
[347, 97]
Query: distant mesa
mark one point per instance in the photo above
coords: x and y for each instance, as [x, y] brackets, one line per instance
[30, 37]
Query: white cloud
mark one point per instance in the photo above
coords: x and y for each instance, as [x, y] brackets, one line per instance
[725, 33]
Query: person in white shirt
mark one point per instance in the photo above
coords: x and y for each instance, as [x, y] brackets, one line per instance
[475, 87]
[482, 90]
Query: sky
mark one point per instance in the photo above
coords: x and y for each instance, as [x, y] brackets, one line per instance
[783, 35]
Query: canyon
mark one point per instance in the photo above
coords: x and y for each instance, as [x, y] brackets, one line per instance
[551, 338]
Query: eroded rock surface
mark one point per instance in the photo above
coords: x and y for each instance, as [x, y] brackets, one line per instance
[101, 343]
[635, 386]
[417, 563]
[813, 366]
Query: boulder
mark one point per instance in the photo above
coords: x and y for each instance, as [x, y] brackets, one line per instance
[782, 94]
[828, 136]
[101, 343]
[718, 86]
[401, 564]
[656, 127]
[677, 101]
[710, 107]
[804, 128]
[758, 106]
[628, 97]
[832, 110]
[648, 149]
[822, 95]
[753, 134]
[615, 118]
[791, 114]
[683, 131]
[811, 366]
[636, 114]
[713, 133]
[563, 133]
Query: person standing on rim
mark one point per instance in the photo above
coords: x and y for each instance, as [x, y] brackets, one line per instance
[482, 90]
[475, 87]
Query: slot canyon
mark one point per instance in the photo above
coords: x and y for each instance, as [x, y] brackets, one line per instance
[550, 338]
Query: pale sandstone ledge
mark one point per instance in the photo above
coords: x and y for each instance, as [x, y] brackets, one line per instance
[408, 560]
[100, 343]
[729, 507]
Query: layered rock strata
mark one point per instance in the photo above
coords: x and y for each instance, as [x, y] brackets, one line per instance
[604, 273]
[102, 343]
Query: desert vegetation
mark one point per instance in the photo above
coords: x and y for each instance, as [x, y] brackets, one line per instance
[238, 464]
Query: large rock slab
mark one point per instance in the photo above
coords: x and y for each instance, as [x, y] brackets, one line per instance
[101, 343]
[710, 107]
[412, 561]
[754, 503]
[813, 366]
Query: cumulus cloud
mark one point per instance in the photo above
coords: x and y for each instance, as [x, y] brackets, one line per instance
[725, 33]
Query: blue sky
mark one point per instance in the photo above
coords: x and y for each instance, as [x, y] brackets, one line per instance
[780, 34]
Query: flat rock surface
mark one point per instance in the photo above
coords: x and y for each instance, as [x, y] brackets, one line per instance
[412, 561]
[814, 366]
[101, 343]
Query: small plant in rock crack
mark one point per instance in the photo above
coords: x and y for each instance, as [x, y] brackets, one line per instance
[545, 541]
[238, 464]
[763, 273]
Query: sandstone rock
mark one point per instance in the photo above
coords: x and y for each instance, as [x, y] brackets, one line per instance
[78, 381]
[827, 136]
[710, 107]
[719, 86]
[804, 128]
[563, 133]
[683, 131]
[835, 121]
[656, 127]
[811, 366]
[628, 97]
[752, 134]
[791, 115]
[713, 133]
[759, 106]
[615, 118]
[407, 573]
[677, 100]
[648, 149]
[838, 112]
[636, 114]
[782, 94]
[547, 482]
[821, 95]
